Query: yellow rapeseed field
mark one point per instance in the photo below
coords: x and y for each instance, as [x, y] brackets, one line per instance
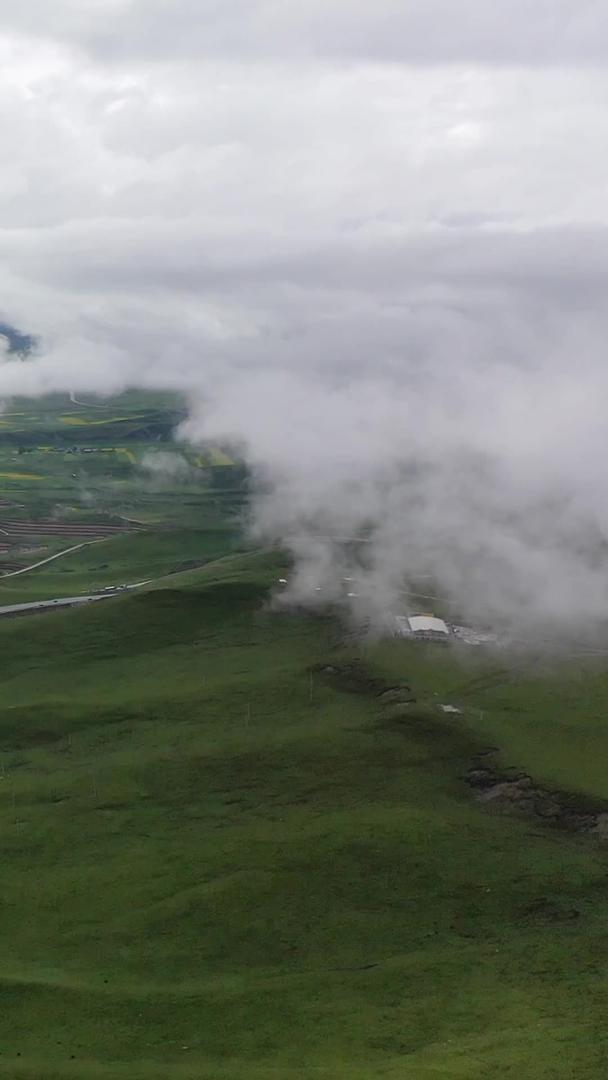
[19, 476]
[218, 457]
[82, 421]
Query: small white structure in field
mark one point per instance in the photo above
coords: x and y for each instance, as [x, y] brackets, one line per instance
[428, 624]
[423, 627]
[450, 709]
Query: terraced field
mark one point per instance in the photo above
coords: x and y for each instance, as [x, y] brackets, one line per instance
[19, 530]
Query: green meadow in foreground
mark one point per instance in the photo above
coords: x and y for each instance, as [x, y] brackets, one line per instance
[222, 862]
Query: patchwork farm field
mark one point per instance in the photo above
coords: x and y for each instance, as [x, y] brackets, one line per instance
[108, 474]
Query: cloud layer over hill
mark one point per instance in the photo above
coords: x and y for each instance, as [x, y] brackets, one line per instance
[368, 241]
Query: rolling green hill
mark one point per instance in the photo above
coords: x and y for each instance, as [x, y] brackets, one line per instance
[137, 556]
[227, 857]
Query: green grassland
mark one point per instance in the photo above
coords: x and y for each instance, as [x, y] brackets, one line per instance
[225, 856]
[88, 462]
[53, 440]
[132, 416]
[220, 861]
[127, 559]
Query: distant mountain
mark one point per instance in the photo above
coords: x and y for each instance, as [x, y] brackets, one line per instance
[21, 344]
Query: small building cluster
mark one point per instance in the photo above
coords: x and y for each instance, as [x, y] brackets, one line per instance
[423, 626]
[431, 628]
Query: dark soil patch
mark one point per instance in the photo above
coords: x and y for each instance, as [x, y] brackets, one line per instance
[354, 677]
[398, 695]
[27, 739]
[509, 788]
[545, 910]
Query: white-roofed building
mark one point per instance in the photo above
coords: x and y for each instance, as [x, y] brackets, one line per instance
[428, 624]
[424, 627]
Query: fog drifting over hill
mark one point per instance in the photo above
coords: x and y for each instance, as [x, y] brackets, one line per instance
[370, 244]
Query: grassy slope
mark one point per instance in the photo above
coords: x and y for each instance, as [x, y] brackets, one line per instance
[123, 559]
[201, 864]
[547, 715]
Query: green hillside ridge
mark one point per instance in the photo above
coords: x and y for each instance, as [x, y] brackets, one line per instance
[222, 862]
[135, 557]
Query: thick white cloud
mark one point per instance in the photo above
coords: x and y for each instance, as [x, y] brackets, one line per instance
[412, 31]
[357, 236]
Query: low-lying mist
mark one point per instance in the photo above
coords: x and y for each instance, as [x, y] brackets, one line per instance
[372, 257]
[415, 456]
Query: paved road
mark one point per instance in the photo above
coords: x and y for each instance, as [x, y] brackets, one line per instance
[58, 555]
[39, 605]
[88, 404]
[64, 601]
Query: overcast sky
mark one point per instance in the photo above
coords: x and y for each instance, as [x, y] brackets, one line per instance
[217, 177]
[324, 220]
